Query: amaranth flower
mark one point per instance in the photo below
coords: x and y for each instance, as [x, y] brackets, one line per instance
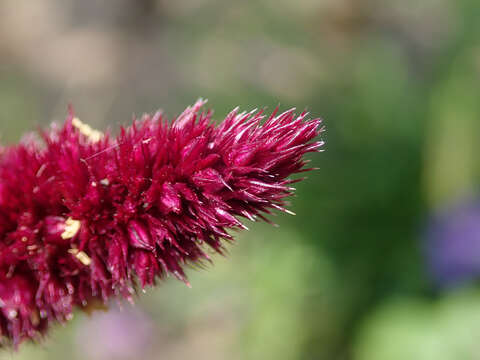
[85, 217]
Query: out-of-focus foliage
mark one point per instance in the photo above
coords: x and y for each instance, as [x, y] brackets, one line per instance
[413, 328]
[397, 83]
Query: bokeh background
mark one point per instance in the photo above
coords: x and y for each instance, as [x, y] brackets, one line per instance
[382, 259]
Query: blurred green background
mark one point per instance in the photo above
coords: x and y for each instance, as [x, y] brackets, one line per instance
[397, 83]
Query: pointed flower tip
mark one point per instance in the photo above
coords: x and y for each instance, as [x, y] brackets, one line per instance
[70, 110]
[91, 220]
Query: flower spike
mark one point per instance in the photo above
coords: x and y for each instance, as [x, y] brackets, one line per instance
[86, 217]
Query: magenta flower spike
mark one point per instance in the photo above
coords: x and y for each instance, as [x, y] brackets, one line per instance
[85, 217]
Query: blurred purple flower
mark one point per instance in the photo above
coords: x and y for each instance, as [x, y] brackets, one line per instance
[121, 334]
[453, 244]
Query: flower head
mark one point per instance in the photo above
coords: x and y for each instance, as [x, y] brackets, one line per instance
[86, 217]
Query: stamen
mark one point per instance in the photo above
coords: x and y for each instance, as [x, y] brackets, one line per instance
[81, 256]
[87, 130]
[71, 228]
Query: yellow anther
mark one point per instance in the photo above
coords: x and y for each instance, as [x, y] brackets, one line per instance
[81, 256]
[87, 130]
[71, 228]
